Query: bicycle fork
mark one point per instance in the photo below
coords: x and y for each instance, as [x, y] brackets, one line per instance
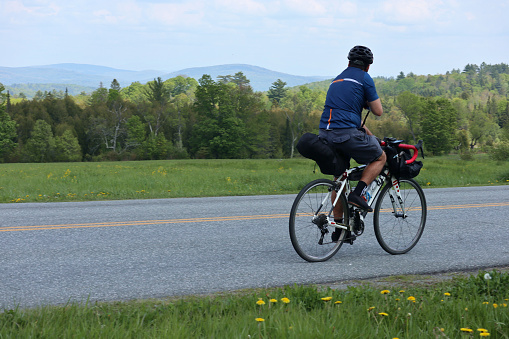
[395, 194]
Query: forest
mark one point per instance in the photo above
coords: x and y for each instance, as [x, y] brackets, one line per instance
[463, 111]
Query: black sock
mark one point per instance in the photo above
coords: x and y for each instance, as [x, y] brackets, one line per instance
[359, 188]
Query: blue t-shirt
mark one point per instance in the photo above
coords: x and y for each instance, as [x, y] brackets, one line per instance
[346, 97]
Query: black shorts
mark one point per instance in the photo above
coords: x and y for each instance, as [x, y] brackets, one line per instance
[354, 143]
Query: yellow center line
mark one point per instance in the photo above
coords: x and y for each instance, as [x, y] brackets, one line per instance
[139, 223]
[199, 220]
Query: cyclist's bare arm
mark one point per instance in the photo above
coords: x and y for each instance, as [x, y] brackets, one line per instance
[376, 107]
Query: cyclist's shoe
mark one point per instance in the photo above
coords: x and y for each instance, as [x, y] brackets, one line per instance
[359, 202]
[335, 235]
[349, 237]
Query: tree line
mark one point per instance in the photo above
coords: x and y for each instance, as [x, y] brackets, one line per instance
[224, 118]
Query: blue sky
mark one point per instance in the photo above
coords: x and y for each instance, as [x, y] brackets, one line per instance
[301, 37]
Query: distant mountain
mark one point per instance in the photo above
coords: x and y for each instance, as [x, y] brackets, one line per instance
[260, 78]
[46, 77]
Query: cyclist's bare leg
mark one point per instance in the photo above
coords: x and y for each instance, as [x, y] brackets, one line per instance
[338, 209]
[373, 169]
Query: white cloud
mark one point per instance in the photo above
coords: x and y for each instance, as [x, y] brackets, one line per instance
[412, 11]
[173, 14]
[24, 11]
[249, 7]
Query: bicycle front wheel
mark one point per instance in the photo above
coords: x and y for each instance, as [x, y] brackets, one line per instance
[399, 229]
[309, 232]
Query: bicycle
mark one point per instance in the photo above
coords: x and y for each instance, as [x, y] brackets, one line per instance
[399, 213]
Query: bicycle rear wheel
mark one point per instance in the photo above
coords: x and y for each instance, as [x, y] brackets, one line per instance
[396, 232]
[309, 231]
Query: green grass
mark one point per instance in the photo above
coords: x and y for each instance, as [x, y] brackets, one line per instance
[445, 310]
[202, 178]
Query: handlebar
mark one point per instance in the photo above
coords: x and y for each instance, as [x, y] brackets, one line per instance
[415, 148]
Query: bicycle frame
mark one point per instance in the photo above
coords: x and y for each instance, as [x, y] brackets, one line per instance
[343, 187]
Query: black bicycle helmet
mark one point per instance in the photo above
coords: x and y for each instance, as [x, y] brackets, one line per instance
[361, 55]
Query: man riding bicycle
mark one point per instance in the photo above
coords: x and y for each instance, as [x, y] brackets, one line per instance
[340, 123]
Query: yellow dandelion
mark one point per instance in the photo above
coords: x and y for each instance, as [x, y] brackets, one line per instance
[371, 308]
[327, 298]
[495, 305]
[383, 314]
[385, 292]
[260, 302]
[338, 302]
[466, 329]
[401, 291]
[397, 299]
[285, 300]
[260, 319]
[447, 294]
[485, 303]
[482, 330]
[505, 305]
[410, 298]
[273, 300]
[484, 334]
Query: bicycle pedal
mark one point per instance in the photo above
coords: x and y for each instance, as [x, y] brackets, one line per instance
[350, 238]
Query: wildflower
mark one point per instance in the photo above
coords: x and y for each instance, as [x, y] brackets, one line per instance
[447, 294]
[463, 329]
[401, 291]
[383, 314]
[410, 298]
[495, 305]
[285, 300]
[260, 319]
[482, 330]
[338, 302]
[371, 308]
[485, 303]
[505, 305]
[385, 292]
[327, 298]
[487, 276]
[260, 302]
[273, 300]
[484, 334]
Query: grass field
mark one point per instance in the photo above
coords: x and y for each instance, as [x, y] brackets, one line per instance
[466, 307]
[202, 178]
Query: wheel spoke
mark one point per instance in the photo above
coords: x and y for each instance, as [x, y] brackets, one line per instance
[306, 234]
[398, 234]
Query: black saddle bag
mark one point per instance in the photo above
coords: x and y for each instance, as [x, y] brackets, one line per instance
[398, 166]
[329, 161]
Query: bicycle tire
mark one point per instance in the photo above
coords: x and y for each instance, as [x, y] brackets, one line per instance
[304, 233]
[398, 234]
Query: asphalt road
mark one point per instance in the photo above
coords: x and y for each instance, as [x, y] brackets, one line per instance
[53, 253]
